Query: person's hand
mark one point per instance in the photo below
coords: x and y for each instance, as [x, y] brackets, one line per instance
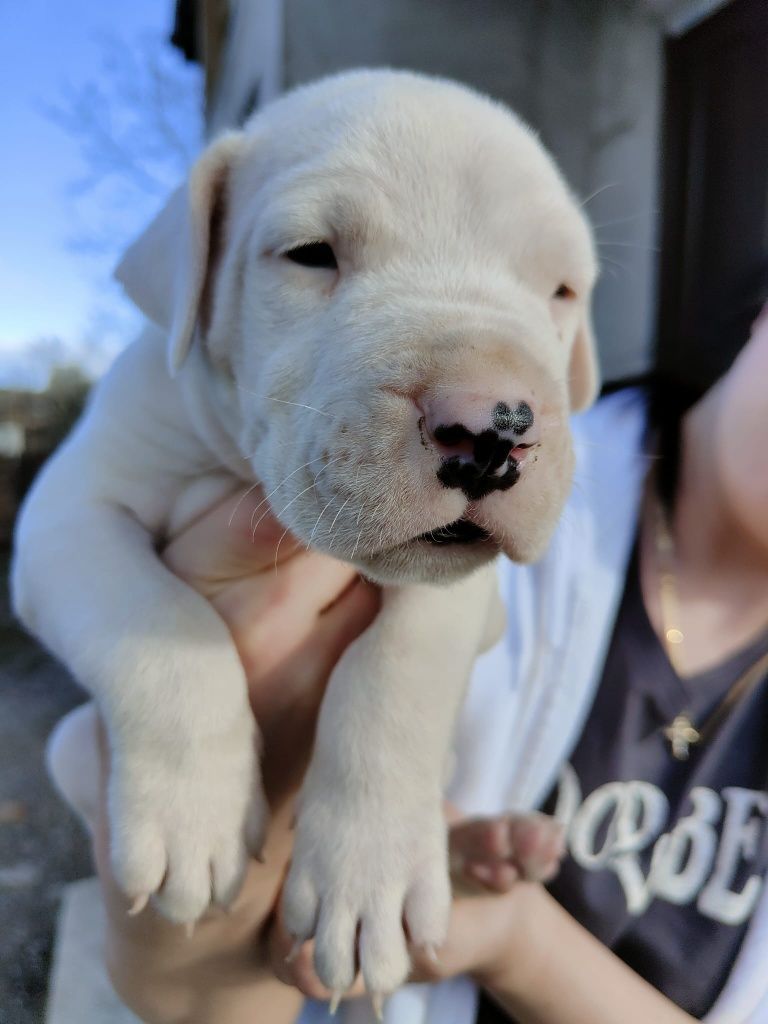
[493, 861]
[291, 612]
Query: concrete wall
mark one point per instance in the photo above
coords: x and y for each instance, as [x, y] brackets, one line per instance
[586, 73]
[624, 163]
[535, 55]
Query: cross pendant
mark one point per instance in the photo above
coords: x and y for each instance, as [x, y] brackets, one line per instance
[682, 734]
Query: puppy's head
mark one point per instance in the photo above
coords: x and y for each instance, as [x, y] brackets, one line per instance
[395, 282]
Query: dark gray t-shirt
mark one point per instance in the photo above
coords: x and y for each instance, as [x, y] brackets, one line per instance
[666, 857]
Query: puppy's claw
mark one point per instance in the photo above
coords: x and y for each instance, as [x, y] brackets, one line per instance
[138, 904]
[294, 950]
[335, 1000]
[377, 1001]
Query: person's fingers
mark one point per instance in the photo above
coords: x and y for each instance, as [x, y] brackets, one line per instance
[494, 877]
[344, 621]
[538, 845]
[284, 603]
[262, 587]
[480, 840]
[480, 852]
[497, 851]
[297, 620]
[478, 930]
[312, 584]
[294, 964]
[238, 536]
[295, 967]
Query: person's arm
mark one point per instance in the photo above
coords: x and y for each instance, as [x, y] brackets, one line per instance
[553, 971]
[291, 614]
[533, 958]
[518, 943]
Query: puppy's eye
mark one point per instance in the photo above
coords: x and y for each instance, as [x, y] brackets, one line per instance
[313, 254]
[564, 292]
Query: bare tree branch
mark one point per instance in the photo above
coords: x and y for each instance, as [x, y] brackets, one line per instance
[137, 124]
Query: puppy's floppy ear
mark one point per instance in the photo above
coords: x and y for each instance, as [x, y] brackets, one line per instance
[583, 371]
[167, 270]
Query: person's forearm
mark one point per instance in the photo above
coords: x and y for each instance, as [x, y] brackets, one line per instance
[264, 999]
[566, 976]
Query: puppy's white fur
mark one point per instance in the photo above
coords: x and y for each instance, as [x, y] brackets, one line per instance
[453, 231]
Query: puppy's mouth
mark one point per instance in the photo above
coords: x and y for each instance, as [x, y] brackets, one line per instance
[462, 531]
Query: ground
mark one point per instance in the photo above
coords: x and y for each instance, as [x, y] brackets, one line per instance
[41, 845]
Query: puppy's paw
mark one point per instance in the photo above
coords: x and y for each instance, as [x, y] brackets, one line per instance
[183, 822]
[358, 876]
[496, 852]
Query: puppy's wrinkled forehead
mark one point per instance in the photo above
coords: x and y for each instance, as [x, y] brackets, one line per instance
[398, 257]
[404, 161]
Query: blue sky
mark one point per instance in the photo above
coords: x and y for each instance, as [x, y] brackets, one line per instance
[49, 289]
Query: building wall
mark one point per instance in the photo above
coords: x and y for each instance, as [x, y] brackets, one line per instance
[251, 71]
[587, 74]
[625, 163]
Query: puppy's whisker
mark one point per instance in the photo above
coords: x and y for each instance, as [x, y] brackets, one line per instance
[614, 263]
[629, 245]
[330, 539]
[623, 220]
[299, 405]
[274, 491]
[314, 482]
[314, 528]
[281, 401]
[381, 538]
[597, 192]
[284, 444]
[360, 512]
[240, 501]
[354, 549]
[277, 549]
[286, 506]
[328, 465]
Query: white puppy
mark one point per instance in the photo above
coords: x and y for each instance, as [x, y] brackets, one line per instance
[374, 300]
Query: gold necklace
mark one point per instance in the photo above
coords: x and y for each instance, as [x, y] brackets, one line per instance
[681, 732]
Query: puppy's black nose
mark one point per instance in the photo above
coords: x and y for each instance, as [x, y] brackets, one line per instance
[481, 464]
[517, 420]
[476, 438]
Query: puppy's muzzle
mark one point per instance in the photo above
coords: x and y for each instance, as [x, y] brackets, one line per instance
[481, 442]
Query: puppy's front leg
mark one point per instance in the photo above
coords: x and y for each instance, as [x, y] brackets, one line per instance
[185, 803]
[370, 848]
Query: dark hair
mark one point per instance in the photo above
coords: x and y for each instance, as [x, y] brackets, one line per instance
[671, 393]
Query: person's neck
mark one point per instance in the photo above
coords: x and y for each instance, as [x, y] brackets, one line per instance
[721, 571]
[711, 544]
